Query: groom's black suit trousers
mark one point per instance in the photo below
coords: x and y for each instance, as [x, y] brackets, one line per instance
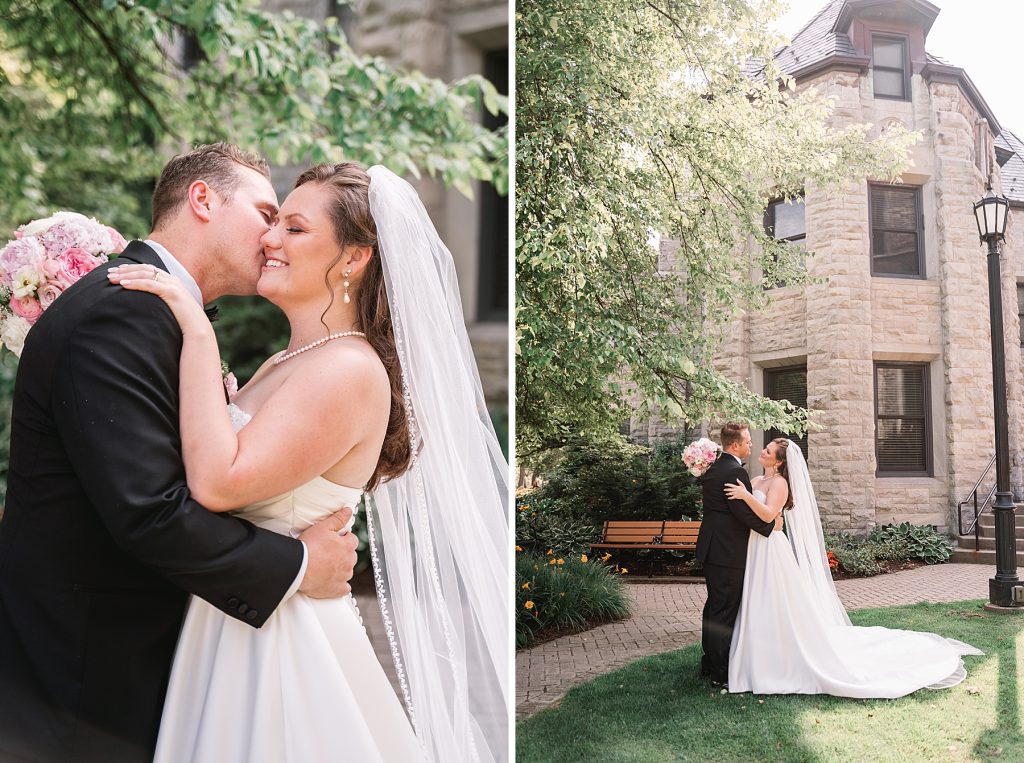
[100, 543]
[722, 549]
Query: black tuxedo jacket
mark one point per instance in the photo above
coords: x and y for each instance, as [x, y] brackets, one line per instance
[726, 525]
[100, 542]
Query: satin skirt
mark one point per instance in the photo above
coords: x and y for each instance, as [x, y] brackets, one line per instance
[306, 687]
[784, 644]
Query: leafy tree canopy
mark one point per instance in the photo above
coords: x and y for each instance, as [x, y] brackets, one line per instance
[94, 96]
[643, 118]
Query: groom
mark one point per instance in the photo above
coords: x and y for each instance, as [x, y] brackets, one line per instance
[722, 549]
[100, 543]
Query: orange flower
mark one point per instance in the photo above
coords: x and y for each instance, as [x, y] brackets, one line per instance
[550, 562]
[606, 557]
[560, 561]
[623, 571]
[526, 586]
[528, 605]
[519, 548]
[584, 559]
[550, 552]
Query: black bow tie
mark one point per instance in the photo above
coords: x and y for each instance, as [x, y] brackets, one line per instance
[212, 312]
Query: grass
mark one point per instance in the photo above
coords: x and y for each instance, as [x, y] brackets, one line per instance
[657, 709]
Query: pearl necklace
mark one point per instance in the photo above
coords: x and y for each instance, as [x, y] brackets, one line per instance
[317, 343]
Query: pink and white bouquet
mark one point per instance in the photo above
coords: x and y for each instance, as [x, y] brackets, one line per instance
[44, 258]
[699, 455]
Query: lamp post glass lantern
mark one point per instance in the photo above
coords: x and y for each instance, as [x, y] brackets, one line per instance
[991, 215]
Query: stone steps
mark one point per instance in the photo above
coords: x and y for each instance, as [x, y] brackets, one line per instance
[989, 542]
[984, 556]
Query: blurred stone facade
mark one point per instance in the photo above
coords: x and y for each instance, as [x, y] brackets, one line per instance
[447, 39]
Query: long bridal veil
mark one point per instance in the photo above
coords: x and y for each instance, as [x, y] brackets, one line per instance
[803, 525]
[439, 534]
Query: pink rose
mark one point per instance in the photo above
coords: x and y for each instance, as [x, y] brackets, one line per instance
[75, 263]
[27, 308]
[117, 239]
[48, 293]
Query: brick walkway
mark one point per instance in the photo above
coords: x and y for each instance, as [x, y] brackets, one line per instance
[666, 616]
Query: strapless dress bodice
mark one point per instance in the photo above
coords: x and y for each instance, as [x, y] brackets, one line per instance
[759, 495]
[292, 512]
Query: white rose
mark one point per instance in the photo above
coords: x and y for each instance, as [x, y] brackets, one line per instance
[36, 227]
[25, 282]
[13, 332]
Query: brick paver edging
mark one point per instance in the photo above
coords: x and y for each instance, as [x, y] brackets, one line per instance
[666, 616]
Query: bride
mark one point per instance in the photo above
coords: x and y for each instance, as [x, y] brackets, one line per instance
[792, 635]
[377, 398]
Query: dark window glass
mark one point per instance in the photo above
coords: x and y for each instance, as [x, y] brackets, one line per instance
[493, 296]
[786, 384]
[785, 221]
[896, 235]
[191, 51]
[902, 419]
[889, 65]
[1020, 311]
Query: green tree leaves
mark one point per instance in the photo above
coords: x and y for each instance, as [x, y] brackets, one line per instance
[635, 120]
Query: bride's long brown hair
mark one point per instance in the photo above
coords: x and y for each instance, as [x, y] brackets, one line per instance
[780, 455]
[349, 210]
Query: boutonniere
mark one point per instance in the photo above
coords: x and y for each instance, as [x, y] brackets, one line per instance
[230, 382]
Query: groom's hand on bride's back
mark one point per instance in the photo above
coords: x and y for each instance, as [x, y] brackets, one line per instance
[331, 557]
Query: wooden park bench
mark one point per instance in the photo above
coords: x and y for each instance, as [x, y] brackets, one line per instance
[656, 535]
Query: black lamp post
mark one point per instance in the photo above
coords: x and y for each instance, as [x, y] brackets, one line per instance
[1004, 590]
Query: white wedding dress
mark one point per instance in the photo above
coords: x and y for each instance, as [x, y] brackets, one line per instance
[792, 639]
[305, 688]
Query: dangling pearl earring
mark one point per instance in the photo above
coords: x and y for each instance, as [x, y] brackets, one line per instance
[346, 299]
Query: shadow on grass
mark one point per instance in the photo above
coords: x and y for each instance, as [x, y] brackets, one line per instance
[1005, 741]
[657, 709]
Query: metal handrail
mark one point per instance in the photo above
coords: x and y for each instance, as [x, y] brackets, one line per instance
[973, 495]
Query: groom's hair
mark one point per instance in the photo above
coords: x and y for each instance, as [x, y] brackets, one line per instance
[216, 163]
[732, 433]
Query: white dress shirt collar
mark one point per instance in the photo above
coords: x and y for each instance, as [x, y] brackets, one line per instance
[176, 269]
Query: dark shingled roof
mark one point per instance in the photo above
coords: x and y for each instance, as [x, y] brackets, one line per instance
[815, 41]
[1012, 171]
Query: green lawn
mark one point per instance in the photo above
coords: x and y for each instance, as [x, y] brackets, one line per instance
[657, 709]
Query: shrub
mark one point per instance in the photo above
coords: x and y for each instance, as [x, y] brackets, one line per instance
[889, 543]
[616, 480]
[540, 524]
[922, 542]
[560, 593]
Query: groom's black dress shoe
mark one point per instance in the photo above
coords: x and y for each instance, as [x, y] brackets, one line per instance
[719, 684]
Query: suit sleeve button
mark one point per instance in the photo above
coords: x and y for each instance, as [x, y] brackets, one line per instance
[252, 614]
[243, 608]
[233, 603]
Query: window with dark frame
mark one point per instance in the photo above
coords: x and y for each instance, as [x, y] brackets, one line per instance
[1020, 311]
[889, 65]
[902, 420]
[790, 384]
[897, 231]
[492, 302]
[786, 221]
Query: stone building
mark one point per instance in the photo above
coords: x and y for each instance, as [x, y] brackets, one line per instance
[446, 39]
[892, 347]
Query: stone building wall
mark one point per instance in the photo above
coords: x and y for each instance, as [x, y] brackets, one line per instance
[843, 324]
